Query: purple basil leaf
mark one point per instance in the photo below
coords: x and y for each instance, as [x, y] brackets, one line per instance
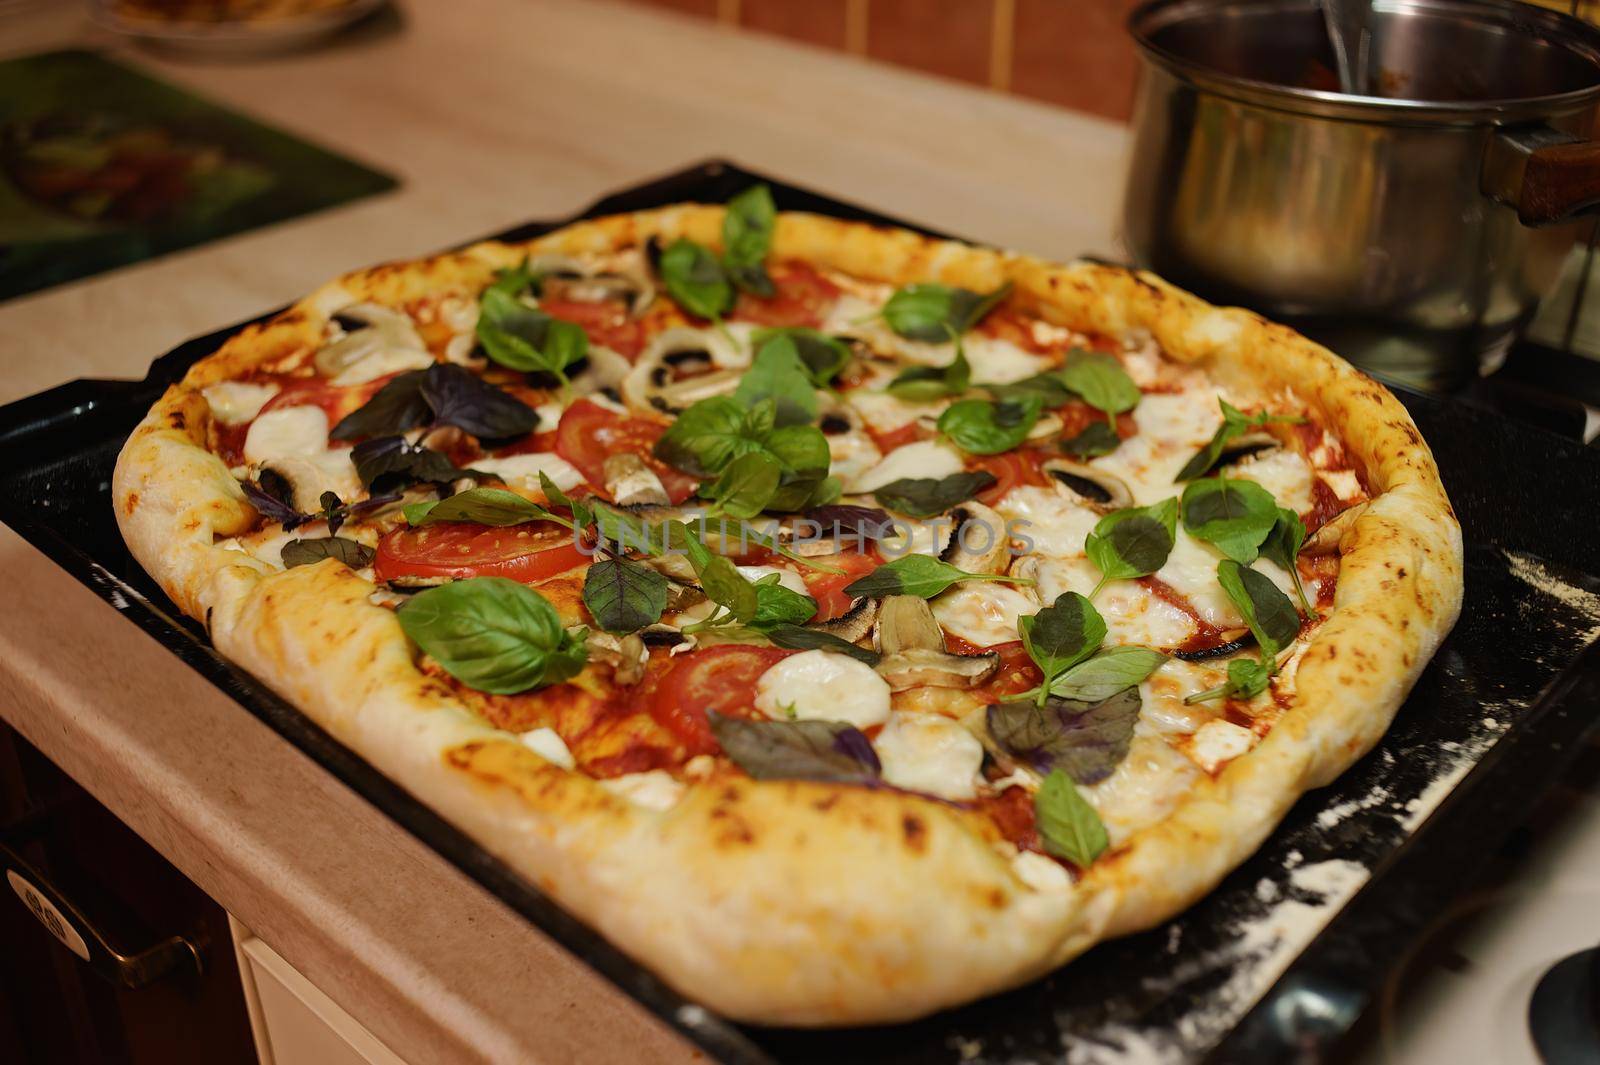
[460, 398]
[869, 522]
[797, 750]
[1086, 740]
[394, 408]
[391, 462]
[272, 507]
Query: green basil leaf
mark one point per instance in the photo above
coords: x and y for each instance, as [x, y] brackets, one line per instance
[935, 313]
[921, 575]
[707, 437]
[1107, 673]
[1098, 438]
[1235, 423]
[1101, 381]
[526, 338]
[823, 356]
[515, 280]
[624, 596]
[799, 492]
[923, 497]
[1086, 740]
[747, 237]
[721, 580]
[746, 486]
[1062, 634]
[486, 506]
[983, 428]
[493, 634]
[1247, 678]
[1068, 826]
[797, 750]
[922, 383]
[777, 605]
[1135, 541]
[1048, 386]
[778, 374]
[1234, 515]
[628, 533]
[1282, 546]
[305, 552]
[795, 638]
[1271, 615]
[582, 516]
[696, 280]
[394, 408]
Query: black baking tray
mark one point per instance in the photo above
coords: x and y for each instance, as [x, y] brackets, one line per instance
[1277, 963]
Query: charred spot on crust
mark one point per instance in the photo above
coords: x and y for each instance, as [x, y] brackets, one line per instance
[916, 832]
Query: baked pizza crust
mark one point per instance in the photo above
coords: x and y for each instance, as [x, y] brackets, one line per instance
[790, 902]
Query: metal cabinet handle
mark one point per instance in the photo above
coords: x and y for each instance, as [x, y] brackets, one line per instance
[1547, 175]
[172, 956]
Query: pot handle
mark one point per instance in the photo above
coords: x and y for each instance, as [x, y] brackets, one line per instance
[1547, 175]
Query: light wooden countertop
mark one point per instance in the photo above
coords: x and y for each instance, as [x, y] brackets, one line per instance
[491, 112]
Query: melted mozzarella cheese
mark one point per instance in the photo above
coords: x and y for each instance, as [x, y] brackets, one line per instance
[330, 471]
[983, 612]
[1344, 483]
[1191, 570]
[925, 458]
[1219, 742]
[1162, 707]
[821, 685]
[1283, 473]
[236, 402]
[1048, 521]
[548, 744]
[930, 753]
[886, 413]
[1144, 788]
[267, 544]
[1000, 362]
[850, 455]
[288, 432]
[1039, 872]
[524, 470]
[381, 363]
[655, 789]
[1171, 428]
[788, 578]
[1132, 614]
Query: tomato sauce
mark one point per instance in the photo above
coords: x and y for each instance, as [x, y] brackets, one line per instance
[1206, 636]
[1017, 672]
[803, 298]
[1012, 814]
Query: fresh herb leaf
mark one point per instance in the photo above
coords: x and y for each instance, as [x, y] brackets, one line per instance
[1247, 678]
[1061, 635]
[1107, 673]
[305, 552]
[935, 313]
[1234, 515]
[777, 605]
[486, 506]
[390, 462]
[983, 428]
[1282, 547]
[582, 516]
[394, 408]
[795, 638]
[270, 505]
[922, 383]
[1086, 740]
[797, 750]
[1133, 542]
[747, 485]
[1048, 386]
[823, 356]
[515, 280]
[493, 634]
[1097, 438]
[1068, 826]
[869, 523]
[704, 439]
[746, 239]
[1101, 381]
[624, 596]
[719, 578]
[1270, 614]
[923, 497]
[920, 575]
[696, 279]
[526, 338]
[1235, 423]
[461, 398]
[778, 374]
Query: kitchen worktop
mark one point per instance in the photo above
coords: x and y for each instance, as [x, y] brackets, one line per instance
[491, 112]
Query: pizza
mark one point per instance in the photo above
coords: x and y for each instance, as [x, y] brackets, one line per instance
[845, 623]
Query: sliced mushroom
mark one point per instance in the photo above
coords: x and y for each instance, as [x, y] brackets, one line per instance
[626, 655]
[906, 622]
[676, 567]
[411, 582]
[853, 624]
[978, 542]
[602, 369]
[627, 280]
[631, 483]
[1098, 488]
[918, 667]
[306, 480]
[663, 636]
[654, 385]
[1328, 540]
[1247, 446]
[1048, 427]
[366, 328]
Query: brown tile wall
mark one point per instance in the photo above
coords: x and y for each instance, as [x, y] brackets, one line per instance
[1074, 53]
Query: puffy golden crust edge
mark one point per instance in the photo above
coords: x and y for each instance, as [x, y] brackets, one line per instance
[801, 903]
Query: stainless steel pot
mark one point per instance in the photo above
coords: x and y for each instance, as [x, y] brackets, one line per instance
[1412, 231]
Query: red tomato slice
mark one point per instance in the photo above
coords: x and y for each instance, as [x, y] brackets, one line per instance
[525, 553]
[893, 438]
[828, 588]
[335, 400]
[1016, 674]
[802, 299]
[589, 432]
[1011, 469]
[719, 678]
[606, 322]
